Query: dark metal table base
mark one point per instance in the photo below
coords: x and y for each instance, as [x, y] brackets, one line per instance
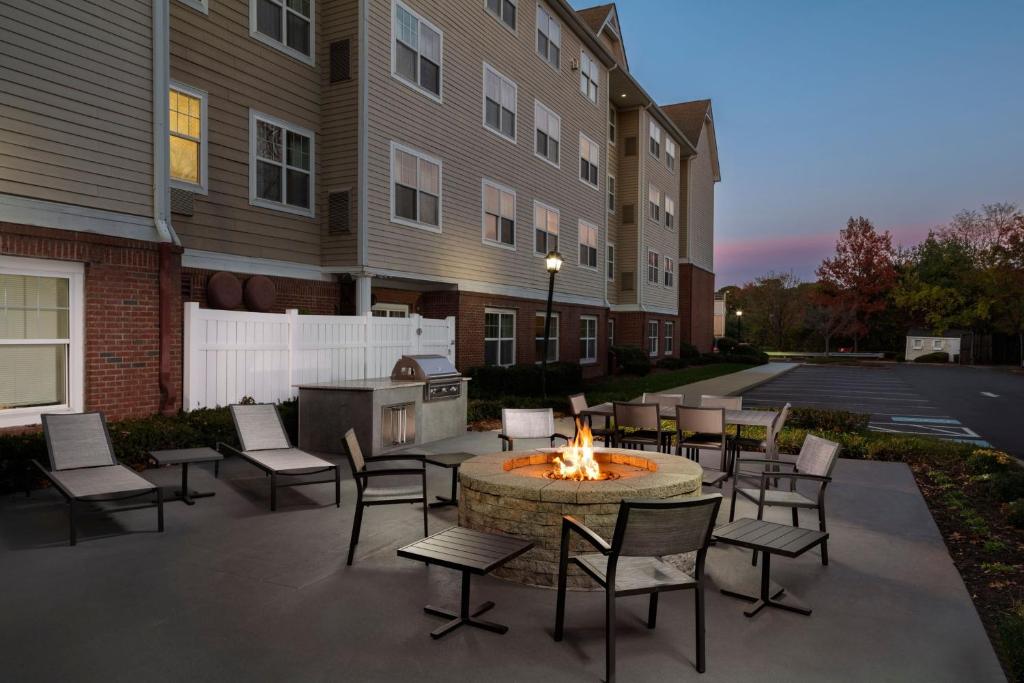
[464, 616]
[769, 595]
[185, 494]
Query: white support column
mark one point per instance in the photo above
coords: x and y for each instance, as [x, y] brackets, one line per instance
[363, 300]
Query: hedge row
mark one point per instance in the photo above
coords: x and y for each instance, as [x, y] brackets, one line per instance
[492, 381]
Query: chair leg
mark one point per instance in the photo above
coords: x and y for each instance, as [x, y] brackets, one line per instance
[337, 487]
[652, 611]
[760, 516]
[72, 534]
[357, 524]
[563, 578]
[821, 527]
[699, 607]
[160, 508]
[609, 635]
[732, 504]
[426, 531]
[273, 491]
[796, 517]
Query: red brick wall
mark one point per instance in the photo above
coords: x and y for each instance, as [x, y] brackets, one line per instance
[122, 327]
[314, 297]
[697, 306]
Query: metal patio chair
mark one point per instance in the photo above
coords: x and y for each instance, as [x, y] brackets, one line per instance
[632, 564]
[664, 401]
[698, 428]
[638, 425]
[84, 469]
[577, 404]
[767, 445]
[367, 495]
[815, 463]
[528, 423]
[265, 444]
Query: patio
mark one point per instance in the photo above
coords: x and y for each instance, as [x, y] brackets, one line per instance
[231, 591]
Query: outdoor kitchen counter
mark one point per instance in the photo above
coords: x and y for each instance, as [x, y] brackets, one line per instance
[376, 384]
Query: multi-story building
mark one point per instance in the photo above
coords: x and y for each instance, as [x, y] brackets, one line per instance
[384, 156]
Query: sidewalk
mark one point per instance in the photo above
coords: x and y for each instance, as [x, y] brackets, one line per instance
[731, 385]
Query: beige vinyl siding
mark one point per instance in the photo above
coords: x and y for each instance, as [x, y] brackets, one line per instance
[453, 132]
[628, 269]
[76, 115]
[654, 233]
[612, 168]
[701, 210]
[338, 148]
[215, 53]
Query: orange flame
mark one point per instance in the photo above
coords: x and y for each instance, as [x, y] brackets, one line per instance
[577, 459]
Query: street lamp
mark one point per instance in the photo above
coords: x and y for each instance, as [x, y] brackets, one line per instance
[553, 262]
[739, 323]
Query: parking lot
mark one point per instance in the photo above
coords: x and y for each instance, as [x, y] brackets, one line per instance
[900, 399]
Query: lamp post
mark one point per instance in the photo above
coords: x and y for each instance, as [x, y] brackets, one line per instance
[739, 323]
[553, 262]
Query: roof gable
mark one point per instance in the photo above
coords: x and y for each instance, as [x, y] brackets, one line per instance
[695, 119]
[604, 20]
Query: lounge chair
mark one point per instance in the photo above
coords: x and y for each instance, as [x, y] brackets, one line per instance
[265, 444]
[84, 469]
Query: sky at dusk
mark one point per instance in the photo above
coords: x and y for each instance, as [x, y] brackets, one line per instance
[904, 111]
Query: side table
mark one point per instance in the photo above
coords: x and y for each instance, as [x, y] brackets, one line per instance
[452, 462]
[185, 457]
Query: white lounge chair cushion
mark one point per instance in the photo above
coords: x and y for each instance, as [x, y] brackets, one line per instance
[637, 573]
[100, 481]
[287, 460]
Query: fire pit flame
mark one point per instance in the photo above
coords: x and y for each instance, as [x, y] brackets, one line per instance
[577, 459]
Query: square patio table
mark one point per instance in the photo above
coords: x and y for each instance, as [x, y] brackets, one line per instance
[471, 552]
[769, 539]
[184, 457]
[452, 462]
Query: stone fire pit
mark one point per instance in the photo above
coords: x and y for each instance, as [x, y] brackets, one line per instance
[511, 493]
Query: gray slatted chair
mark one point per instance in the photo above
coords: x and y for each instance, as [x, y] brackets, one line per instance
[724, 402]
[84, 469]
[767, 445]
[664, 401]
[265, 444]
[699, 428]
[645, 532]
[367, 495]
[577, 404]
[638, 425]
[528, 423]
[815, 463]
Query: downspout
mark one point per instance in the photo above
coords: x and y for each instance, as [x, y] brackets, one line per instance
[362, 279]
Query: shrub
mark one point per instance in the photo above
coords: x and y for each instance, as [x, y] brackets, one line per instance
[725, 344]
[934, 357]
[1010, 629]
[492, 381]
[672, 363]
[709, 358]
[688, 351]
[490, 408]
[1015, 513]
[633, 360]
[828, 420]
[988, 461]
[1008, 486]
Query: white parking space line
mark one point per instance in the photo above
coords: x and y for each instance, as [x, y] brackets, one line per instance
[989, 394]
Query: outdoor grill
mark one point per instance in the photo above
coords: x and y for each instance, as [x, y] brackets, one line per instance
[443, 381]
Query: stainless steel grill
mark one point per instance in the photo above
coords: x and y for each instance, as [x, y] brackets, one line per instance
[442, 379]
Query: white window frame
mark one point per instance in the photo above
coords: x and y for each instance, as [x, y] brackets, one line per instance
[502, 78]
[653, 207]
[936, 344]
[590, 145]
[610, 201]
[395, 218]
[588, 79]
[670, 212]
[202, 187]
[500, 15]
[609, 262]
[653, 267]
[499, 338]
[613, 124]
[597, 244]
[75, 381]
[670, 272]
[388, 309]
[586, 340]
[550, 19]
[439, 95]
[283, 46]
[653, 332]
[255, 116]
[198, 5]
[533, 221]
[537, 106]
[484, 184]
[654, 136]
[670, 332]
[552, 340]
[611, 332]
[917, 344]
[670, 153]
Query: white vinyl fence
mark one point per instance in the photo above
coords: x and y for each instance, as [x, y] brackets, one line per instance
[232, 354]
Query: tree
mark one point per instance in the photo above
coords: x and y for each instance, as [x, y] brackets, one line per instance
[856, 282]
[984, 230]
[829, 316]
[772, 309]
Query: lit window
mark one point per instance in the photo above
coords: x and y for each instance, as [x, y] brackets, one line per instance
[611, 261]
[549, 133]
[499, 214]
[588, 339]
[588, 245]
[545, 228]
[653, 266]
[187, 124]
[611, 194]
[670, 211]
[505, 10]
[590, 160]
[499, 103]
[549, 37]
[655, 139]
[416, 185]
[670, 153]
[416, 58]
[499, 337]
[652, 337]
[670, 272]
[654, 202]
[286, 25]
[539, 338]
[670, 332]
[281, 165]
[589, 75]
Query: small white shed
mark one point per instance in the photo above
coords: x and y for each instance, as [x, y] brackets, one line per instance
[921, 342]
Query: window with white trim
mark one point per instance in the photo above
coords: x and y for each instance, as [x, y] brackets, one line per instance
[610, 265]
[613, 119]
[549, 38]
[653, 267]
[590, 160]
[390, 310]
[611, 332]
[918, 344]
[545, 229]
[41, 338]
[611, 194]
[416, 51]
[499, 221]
[670, 333]
[538, 338]
[670, 212]
[588, 245]
[187, 124]
[652, 337]
[589, 76]
[284, 24]
[281, 158]
[670, 153]
[503, 10]
[198, 5]
[548, 125]
[588, 339]
[415, 188]
[937, 344]
[670, 272]
[500, 96]
[655, 142]
[499, 337]
[654, 202]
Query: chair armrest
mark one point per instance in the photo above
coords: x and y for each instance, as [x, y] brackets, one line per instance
[765, 461]
[556, 435]
[588, 534]
[221, 444]
[396, 472]
[765, 476]
[504, 438]
[418, 457]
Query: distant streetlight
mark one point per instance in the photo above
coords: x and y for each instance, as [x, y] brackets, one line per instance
[553, 262]
[739, 323]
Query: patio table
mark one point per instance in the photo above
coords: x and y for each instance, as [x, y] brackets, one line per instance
[769, 538]
[452, 462]
[471, 552]
[740, 418]
[183, 457]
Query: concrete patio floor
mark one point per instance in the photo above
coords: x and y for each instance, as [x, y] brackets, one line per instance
[232, 591]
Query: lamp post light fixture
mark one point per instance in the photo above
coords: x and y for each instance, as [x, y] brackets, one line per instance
[739, 322]
[553, 262]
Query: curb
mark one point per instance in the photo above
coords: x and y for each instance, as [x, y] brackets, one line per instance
[764, 380]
